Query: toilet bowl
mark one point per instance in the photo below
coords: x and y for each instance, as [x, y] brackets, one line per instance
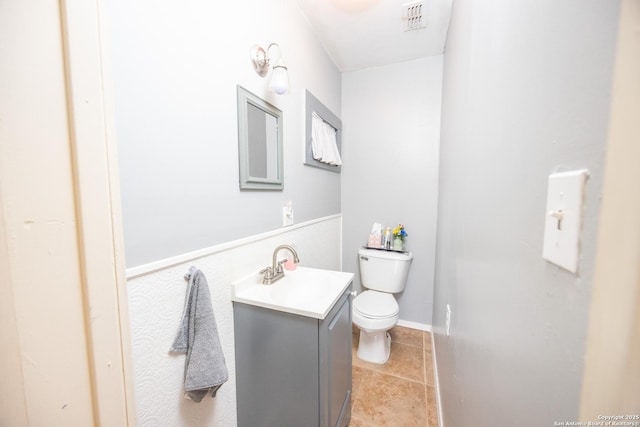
[375, 310]
[374, 313]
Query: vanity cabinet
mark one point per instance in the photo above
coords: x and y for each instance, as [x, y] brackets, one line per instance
[293, 370]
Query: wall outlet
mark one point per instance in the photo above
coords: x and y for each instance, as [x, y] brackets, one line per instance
[447, 322]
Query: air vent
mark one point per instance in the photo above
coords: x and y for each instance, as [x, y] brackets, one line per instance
[414, 15]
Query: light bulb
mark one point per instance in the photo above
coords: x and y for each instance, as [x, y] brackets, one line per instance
[280, 79]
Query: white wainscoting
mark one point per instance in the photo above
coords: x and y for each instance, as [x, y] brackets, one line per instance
[156, 295]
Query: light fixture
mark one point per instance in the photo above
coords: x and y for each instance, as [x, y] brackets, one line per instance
[279, 79]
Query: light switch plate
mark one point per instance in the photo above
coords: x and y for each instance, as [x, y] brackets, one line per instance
[287, 215]
[565, 196]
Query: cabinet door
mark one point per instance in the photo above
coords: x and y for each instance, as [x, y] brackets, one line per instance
[335, 369]
[277, 368]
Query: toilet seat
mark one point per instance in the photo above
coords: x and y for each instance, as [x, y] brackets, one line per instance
[375, 305]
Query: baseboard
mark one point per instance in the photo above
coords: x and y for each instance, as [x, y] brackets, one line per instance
[414, 325]
[436, 380]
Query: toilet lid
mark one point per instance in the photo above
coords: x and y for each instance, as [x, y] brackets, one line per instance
[375, 305]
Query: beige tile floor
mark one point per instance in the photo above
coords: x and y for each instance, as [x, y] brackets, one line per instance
[400, 393]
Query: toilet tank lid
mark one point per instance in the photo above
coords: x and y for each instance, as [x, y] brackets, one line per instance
[387, 254]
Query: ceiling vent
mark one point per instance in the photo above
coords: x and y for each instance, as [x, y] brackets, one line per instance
[414, 15]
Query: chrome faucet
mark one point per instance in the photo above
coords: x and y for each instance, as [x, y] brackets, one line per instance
[275, 271]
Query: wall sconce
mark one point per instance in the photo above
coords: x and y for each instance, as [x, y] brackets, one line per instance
[280, 79]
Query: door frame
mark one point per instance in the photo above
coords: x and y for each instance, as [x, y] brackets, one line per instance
[98, 209]
[61, 240]
[612, 356]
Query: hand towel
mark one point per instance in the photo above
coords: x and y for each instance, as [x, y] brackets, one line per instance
[205, 369]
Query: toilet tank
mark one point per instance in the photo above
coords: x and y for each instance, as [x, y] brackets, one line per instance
[384, 271]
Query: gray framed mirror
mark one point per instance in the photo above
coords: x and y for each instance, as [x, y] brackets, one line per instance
[259, 143]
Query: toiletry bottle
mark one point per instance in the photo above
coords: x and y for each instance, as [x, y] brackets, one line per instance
[387, 238]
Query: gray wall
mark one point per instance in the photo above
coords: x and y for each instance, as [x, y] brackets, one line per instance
[391, 135]
[175, 71]
[526, 92]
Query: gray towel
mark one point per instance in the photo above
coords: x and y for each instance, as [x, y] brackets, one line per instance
[204, 367]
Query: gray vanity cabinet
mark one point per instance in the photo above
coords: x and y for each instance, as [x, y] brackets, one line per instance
[293, 370]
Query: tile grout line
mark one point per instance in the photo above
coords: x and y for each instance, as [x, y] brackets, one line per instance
[426, 405]
[379, 371]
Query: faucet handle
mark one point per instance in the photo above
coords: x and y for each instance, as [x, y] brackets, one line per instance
[279, 268]
[268, 275]
[267, 272]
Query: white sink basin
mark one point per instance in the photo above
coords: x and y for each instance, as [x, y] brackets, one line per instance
[310, 292]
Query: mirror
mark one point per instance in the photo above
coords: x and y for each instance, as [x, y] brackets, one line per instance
[259, 143]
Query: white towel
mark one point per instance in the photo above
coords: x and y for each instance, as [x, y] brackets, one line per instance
[204, 367]
[323, 141]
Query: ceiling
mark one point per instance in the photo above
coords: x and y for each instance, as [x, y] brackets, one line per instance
[360, 34]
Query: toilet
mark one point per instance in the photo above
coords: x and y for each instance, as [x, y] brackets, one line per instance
[375, 311]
